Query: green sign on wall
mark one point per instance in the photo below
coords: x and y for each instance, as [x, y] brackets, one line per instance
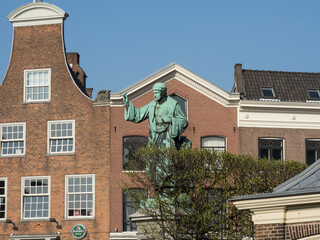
[79, 231]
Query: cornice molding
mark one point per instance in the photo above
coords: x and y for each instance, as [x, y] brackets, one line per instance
[37, 13]
[261, 106]
[266, 203]
[175, 71]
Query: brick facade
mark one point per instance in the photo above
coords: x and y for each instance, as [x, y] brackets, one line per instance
[270, 232]
[206, 117]
[294, 140]
[38, 47]
[292, 231]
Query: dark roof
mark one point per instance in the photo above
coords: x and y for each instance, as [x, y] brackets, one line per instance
[308, 179]
[306, 182]
[287, 86]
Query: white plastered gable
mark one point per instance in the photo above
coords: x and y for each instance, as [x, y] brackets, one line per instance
[37, 13]
[175, 71]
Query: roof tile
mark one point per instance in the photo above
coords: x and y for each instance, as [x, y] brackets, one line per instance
[287, 86]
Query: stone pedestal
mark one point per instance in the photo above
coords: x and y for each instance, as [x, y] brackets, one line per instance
[145, 224]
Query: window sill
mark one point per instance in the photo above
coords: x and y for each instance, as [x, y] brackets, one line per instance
[133, 171]
[123, 235]
[60, 154]
[13, 156]
[35, 220]
[32, 102]
[79, 218]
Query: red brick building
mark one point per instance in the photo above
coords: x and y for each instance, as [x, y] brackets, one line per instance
[279, 114]
[212, 117]
[54, 154]
[62, 154]
[290, 212]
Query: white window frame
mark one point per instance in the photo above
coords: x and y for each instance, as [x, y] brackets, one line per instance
[23, 124]
[35, 194]
[50, 123]
[5, 197]
[26, 71]
[215, 148]
[67, 177]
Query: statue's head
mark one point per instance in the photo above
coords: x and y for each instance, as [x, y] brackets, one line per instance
[159, 91]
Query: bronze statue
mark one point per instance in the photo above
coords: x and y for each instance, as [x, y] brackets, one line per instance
[166, 119]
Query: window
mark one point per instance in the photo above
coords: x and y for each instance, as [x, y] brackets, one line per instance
[12, 139]
[3, 198]
[129, 207]
[214, 143]
[61, 137]
[35, 197]
[182, 102]
[270, 148]
[312, 150]
[267, 92]
[314, 93]
[37, 85]
[80, 196]
[218, 205]
[130, 144]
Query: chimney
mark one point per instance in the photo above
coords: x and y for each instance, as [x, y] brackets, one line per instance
[73, 59]
[238, 79]
[89, 92]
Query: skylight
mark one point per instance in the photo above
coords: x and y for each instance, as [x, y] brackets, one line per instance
[314, 93]
[267, 92]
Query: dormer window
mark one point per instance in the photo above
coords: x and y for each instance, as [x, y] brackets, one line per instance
[314, 93]
[267, 92]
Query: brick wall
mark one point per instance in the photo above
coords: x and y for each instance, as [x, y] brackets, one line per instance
[294, 140]
[36, 47]
[205, 116]
[270, 232]
[292, 231]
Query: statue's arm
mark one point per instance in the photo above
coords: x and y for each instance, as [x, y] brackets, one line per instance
[179, 122]
[133, 114]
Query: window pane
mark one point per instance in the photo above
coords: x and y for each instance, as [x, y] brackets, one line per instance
[267, 92]
[37, 204]
[314, 93]
[214, 143]
[37, 85]
[12, 141]
[131, 144]
[312, 150]
[182, 102]
[277, 154]
[79, 204]
[128, 209]
[2, 199]
[61, 138]
[264, 153]
[270, 148]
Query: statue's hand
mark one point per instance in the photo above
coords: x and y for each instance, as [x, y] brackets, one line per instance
[125, 99]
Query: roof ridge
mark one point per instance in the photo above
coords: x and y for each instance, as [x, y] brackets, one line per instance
[275, 71]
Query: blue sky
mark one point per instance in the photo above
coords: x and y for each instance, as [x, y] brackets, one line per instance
[123, 41]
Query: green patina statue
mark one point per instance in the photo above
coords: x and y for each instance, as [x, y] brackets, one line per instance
[166, 119]
[166, 124]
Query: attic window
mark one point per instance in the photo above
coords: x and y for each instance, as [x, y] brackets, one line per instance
[314, 93]
[267, 92]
